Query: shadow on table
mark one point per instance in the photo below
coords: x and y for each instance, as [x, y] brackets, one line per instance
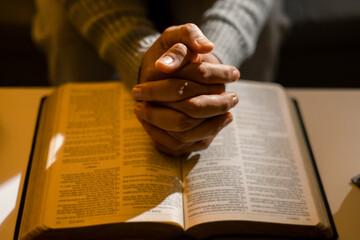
[347, 218]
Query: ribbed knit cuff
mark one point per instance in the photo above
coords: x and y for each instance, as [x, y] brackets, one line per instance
[126, 54]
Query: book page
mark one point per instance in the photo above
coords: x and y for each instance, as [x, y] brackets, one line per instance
[253, 170]
[103, 166]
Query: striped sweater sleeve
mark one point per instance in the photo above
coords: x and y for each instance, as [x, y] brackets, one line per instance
[118, 29]
[234, 26]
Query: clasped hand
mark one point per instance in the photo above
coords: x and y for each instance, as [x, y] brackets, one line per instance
[183, 103]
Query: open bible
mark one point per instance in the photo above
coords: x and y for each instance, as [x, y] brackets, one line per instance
[94, 173]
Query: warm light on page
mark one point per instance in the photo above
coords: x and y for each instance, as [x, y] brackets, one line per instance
[8, 194]
[162, 210]
[55, 145]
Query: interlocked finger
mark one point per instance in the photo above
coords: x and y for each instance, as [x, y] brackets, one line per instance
[205, 106]
[169, 90]
[165, 118]
[169, 145]
[210, 127]
[207, 73]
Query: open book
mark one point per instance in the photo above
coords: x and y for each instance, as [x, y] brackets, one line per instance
[96, 175]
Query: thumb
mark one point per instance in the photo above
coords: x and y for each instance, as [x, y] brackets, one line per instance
[176, 57]
[182, 44]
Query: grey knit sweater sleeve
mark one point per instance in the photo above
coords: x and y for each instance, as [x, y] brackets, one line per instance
[234, 27]
[121, 31]
[118, 29]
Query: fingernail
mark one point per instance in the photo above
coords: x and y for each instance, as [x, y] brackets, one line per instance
[235, 101]
[166, 60]
[137, 92]
[236, 75]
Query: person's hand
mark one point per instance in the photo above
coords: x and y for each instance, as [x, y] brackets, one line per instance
[178, 46]
[186, 125]
[188, 103]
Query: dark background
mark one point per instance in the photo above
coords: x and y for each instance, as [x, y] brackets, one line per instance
[321, 50]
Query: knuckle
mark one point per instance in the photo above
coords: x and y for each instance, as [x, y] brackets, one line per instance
[183, 123]
[225, 105]
[204, 71]
[203, 144]
[188, 28]
[181, 137]
[193, 107]
[181, 49]
[191, 25]
[227, 73]
[169, 29]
